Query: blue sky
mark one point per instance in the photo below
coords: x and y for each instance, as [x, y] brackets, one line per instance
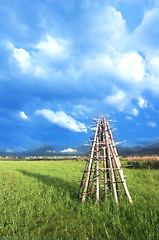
[63, 62]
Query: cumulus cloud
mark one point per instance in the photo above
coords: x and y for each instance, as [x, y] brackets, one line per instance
[131, 64]
[126, 67]
[22, 56]
[116, 60]
[50, 151]
[153, 68]
[36, 62]
[117, 99]
[142, 102]
[110, 25]
[53, 47]
[8, 150]
[132, 67]
[153, 63]
[81, 109]
[145, 35]
[99, 65]
[152, 124]
[135, 112]
[63, 120]
[23, 115]
[68, 150]
[128, 118]
[27, 63]
[118, 96]
[143, 39]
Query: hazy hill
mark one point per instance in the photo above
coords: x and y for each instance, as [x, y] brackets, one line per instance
[150, 149]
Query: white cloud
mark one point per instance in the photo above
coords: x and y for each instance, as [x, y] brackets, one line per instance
[131, 67]
[68, 150]
[53, 47]
[8, 150]
[144, 39]
[117, 97]
[111, 57]
[50, 151]
[117, 100]
[142, 102]
[145, 35]
[63, 120]
[128, 118]
[23, 115]
[36, 63]
[153, 64]
[152, 124]
[81, 110]
[26, 61]
[126, 67]
[131, 64]
[135, 112]
[153, 68]
[110, 29]
[22, 56]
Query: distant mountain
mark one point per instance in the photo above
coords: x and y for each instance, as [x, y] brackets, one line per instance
[83, 150]
[150, 149]
[49, 151]
[125, 151]
[42, 151]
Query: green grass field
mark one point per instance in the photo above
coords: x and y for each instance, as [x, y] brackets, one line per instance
[38, 200]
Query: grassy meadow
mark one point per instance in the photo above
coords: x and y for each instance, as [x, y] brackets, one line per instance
[38, 200]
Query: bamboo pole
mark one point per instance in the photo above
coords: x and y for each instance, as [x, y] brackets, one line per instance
[83, 178]
[113, 144]
[111, 171]
[93, 183]
[97, 171]
[122, 178]
[90, 164]
[107, 160]
[116, 158]
[115, 174]
[105, 172]
[104, 162]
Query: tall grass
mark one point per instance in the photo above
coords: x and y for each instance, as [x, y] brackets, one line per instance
[38, 200]
[144, 162]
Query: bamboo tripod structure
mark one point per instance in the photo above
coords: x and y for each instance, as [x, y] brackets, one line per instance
[103, 165]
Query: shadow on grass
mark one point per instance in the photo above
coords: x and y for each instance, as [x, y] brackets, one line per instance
[59, 184]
